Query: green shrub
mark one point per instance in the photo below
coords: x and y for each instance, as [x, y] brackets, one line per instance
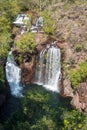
[79, 47]
[26, 43]
[78, 75]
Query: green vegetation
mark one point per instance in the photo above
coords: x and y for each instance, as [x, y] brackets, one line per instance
[49, 23]
[78, 75]
[74, 120]
[8, 11]
[2, 74]
[42, 110]
[79, 47]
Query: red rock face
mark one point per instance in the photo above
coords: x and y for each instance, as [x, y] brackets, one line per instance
[39, 48]
[66, 90]
[79, 100]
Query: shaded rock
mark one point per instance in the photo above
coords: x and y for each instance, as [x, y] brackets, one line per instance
[16, 51]
[27, 56]
[2, 99]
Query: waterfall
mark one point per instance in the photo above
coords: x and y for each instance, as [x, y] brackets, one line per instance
[48, 69]
[13, 75]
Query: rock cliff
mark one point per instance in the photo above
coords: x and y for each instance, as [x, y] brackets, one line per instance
[71, 32]
[71, 37]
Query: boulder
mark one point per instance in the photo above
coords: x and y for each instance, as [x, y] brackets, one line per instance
[67, 90]
[79, 100]
[75, 102]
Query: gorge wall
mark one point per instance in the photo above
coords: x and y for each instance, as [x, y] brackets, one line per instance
[71, 38]
[28, 70]
[71, 30]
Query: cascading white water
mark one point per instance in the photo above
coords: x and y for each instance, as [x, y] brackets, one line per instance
[49, 73]
[13, 75]
[39, 72]
[52, 69]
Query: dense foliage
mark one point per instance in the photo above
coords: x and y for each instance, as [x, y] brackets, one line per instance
[26, 42]
[49, 23]
[42, 110]
[8, 10]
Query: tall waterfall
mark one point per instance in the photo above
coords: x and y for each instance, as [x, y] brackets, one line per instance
[48, 70]
[39, 72]
[13, 75]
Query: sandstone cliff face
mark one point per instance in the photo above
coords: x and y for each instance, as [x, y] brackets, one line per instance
[71, 60]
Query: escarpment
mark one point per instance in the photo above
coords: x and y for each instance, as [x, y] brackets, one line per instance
[70, 36]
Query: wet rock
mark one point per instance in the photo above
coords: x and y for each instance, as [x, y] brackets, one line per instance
[27, 72]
